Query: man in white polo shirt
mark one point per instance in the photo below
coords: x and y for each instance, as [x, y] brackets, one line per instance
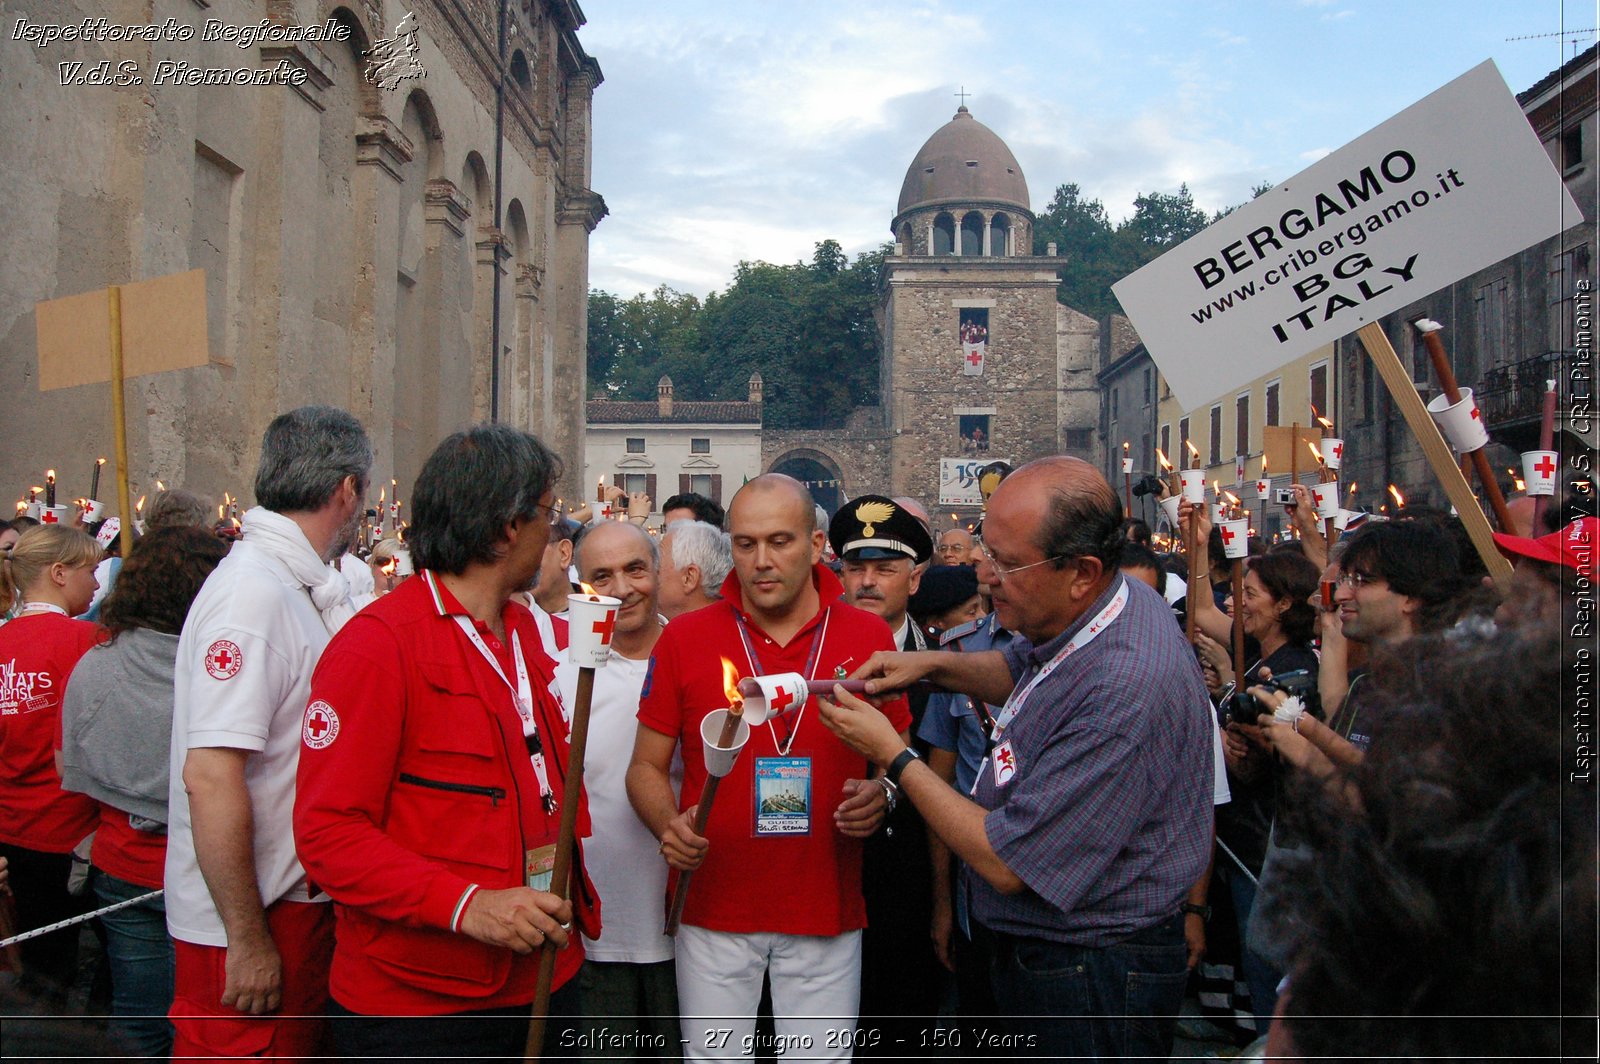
[250, 938]
[627, 972]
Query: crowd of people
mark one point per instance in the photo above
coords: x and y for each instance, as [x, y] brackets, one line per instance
[318, 794]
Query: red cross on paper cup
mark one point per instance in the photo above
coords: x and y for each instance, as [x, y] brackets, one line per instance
[782, 692]
[591, 622]
[1332, 453]
[1539, 471]
[1460, 422]
[1263, 489]
[1236, 538]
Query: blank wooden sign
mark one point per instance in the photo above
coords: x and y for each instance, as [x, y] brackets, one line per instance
[1285, 451]
[163, 328]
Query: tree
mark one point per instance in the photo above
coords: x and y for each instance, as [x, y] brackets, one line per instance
[807, 327]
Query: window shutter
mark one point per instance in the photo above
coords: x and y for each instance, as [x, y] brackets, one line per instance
[683, 484]
[650, 490]
[716, 488]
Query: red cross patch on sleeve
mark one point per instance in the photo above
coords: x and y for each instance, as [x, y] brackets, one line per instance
[223, 659]
[321, 725]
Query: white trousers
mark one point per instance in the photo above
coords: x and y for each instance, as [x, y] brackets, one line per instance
[816, 993]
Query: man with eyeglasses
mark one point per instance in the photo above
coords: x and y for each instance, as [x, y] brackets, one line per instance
[1090, 818]
[955, 547]
[1396, 579]
[777, 884]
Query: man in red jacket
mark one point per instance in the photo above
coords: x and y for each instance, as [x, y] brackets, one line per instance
[434, 754]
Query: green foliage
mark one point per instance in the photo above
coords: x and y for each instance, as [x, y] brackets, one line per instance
[1098, 252]
[808, 328]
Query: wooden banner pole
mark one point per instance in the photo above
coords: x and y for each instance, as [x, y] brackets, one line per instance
[1404, 393]
[119, 418]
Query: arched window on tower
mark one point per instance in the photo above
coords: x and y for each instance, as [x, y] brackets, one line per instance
[904, 238]
[1000, 235]
[944, 235]
[520, 72]
[972, 234]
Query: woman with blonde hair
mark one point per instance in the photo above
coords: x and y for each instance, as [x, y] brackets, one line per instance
[50, 572]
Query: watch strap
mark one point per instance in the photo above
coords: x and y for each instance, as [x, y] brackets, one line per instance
[898, 765]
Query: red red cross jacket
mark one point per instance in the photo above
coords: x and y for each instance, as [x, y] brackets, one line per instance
[415, 785]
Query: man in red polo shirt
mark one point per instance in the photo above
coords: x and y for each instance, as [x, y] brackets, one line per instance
[433, 756]
[777, 886]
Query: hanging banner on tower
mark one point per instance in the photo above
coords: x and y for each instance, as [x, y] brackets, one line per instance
[974, 340]
[1452, 184]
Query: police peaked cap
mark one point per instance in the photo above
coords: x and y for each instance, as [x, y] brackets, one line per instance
[871, 527]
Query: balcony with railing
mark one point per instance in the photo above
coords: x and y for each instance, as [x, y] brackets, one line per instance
[1512, 397]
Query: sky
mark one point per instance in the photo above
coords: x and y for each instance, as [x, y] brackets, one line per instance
[729, 130]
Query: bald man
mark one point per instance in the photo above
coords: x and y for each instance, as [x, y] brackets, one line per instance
[777, 885]
[1091, 816]
[955, 547]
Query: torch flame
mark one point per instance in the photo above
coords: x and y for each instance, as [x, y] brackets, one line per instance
[21, 506]
[160, 486]
[1163, 460]
[1263, 465]
[1324, 422]
[36, 490]
[1399, 500]
[587, 589]
[1193, 450]
[383, 494]
[99, 461]
[49, 474]
[1352, 489]
[1315, 453]
[730, 683]
[1124, 446]
[139, 508]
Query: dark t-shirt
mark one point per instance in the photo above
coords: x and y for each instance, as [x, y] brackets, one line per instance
[1245, 822]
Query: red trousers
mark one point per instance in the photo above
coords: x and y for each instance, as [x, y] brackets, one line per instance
[207, 1029]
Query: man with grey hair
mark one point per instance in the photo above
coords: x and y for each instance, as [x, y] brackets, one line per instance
[627, 972]
[250, 935]
[695, 559]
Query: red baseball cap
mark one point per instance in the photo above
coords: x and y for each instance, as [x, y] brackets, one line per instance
[1573, 546]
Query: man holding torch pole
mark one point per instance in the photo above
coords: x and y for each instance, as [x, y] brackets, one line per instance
[433, 771]
[777, 874]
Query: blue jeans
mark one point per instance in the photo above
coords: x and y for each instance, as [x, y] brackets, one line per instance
[1100, 1003]
[1259, 975]
[141, 959]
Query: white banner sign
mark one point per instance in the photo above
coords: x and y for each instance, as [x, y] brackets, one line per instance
[958, 480]
[1452, 184]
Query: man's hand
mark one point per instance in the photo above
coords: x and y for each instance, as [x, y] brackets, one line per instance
[861, 725]
[892, 670]
[863, 809]
[520, 919]
[253, 976]
[1194, 937]
[683, 849]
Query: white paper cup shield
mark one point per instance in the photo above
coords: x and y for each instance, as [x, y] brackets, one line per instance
[1235, 537]
[1194, 484]
[1169, 506]
[94, 510]
[590, 622]
[55, 515]
[1539, 470]
[1332, 452]
[1263, 489]
[719, 760]
[35, 510]
[1127, 465]
[1327, 497]
[1219, 513]
[402, 563]
[778, 693]
[1342, 522]
[1460, 422]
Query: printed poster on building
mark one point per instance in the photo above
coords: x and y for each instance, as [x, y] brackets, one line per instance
[958, 480]
[1452, 184]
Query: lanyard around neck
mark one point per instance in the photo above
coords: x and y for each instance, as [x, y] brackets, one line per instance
[41, 607]
[810, 672]
[1086, 635]
[522, 693]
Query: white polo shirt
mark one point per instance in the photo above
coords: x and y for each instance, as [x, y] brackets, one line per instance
[622, 856]
[242, 679]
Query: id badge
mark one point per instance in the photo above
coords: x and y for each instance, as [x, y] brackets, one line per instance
[541, 867]
[783, 796]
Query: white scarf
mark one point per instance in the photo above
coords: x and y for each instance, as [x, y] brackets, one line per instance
[280, 537]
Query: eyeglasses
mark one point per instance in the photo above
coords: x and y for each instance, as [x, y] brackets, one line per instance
[553, 511]
[1357, 581]
[1001, 571]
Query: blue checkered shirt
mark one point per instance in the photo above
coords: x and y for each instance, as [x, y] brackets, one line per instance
[1108, 818]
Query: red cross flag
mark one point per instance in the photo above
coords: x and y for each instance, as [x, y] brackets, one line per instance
[972, 355]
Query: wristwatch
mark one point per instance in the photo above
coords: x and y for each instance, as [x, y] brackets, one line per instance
[1202, 911]
[898, 765]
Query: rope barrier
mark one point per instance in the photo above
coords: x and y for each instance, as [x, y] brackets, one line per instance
[41, 931]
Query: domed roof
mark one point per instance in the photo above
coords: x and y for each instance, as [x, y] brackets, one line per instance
[963, 160]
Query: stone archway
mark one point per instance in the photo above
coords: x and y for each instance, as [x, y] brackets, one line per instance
[818, 472]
